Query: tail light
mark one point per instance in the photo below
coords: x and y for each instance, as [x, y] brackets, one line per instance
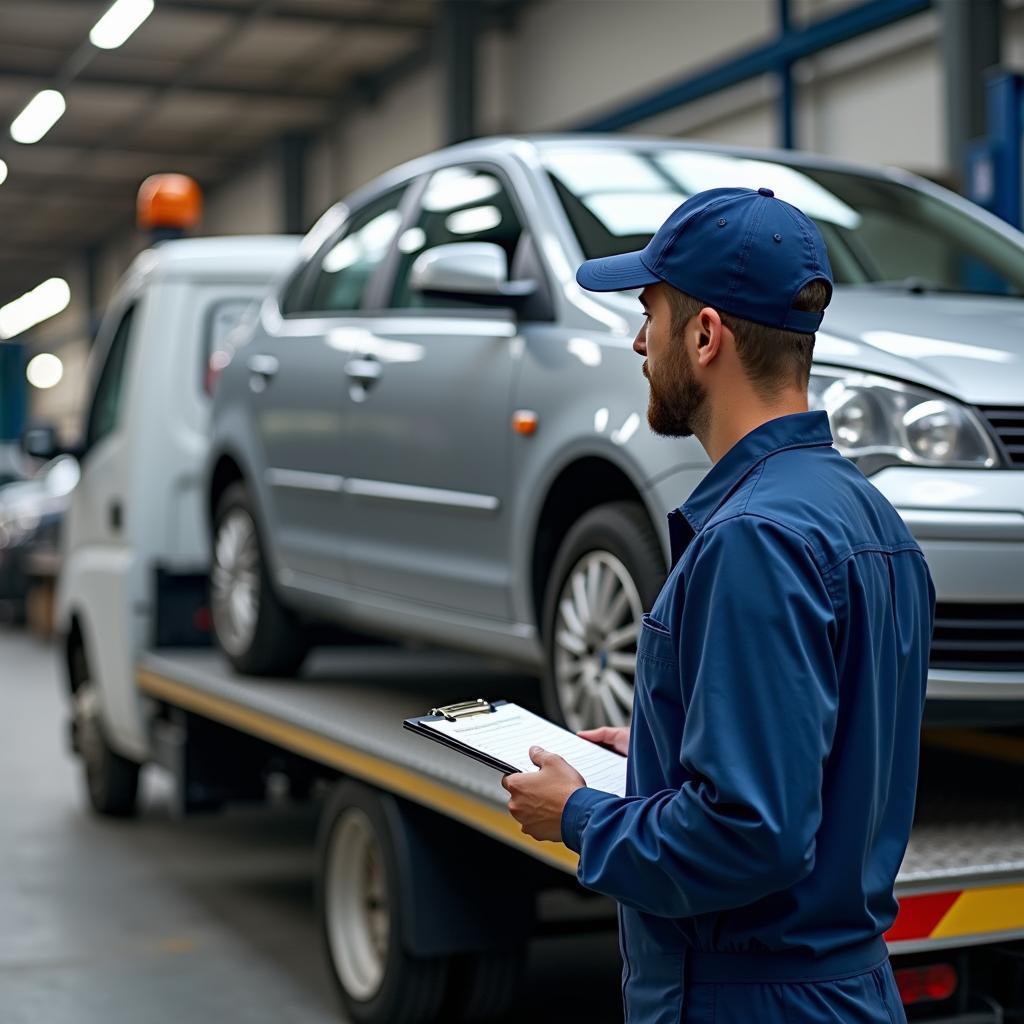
[929, 983]
[214, 368]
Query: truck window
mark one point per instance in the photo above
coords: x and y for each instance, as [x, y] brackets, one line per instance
[350, 259]
[223, 319]
[106, 402]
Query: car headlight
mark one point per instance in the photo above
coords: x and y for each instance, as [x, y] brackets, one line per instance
[880, 422]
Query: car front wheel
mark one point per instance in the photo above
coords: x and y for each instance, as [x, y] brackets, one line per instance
[607, 572]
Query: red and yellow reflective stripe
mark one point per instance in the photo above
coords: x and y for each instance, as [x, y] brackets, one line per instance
[959, 914]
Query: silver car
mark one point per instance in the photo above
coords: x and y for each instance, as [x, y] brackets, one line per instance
[433, 433]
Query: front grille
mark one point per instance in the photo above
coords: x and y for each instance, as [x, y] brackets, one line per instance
[1008, 426]
[983, 637]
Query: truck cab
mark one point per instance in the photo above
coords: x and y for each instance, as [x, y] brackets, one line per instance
[134, 537]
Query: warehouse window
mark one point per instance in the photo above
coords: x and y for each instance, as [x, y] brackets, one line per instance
[106, 403]
[350, 259]
[460, 204]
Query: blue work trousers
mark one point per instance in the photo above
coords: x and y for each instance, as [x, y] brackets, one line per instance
[760, 989]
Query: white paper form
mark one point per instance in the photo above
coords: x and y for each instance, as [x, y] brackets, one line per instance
[508, 732]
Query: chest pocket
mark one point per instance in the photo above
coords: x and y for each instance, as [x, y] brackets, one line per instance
[655, 643]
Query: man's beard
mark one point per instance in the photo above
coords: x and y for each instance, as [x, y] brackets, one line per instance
[676, 406]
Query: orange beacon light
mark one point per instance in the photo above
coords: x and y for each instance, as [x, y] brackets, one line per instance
[168, 203]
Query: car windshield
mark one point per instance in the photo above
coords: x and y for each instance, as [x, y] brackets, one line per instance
[880, 234]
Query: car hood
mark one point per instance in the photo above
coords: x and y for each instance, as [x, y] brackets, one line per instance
[971, 347]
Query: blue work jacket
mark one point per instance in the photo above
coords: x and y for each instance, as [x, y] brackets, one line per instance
[773, 754]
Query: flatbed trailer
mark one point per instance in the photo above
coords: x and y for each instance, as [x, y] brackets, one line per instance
[409, 823]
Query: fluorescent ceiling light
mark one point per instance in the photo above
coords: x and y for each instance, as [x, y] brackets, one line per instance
[44, 371]
[120, 21]
[44, 301]
[41, 114]
[3, 172]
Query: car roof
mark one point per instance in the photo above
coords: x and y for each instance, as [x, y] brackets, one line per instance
[591, 140]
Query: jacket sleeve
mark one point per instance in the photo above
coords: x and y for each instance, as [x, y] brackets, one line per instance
[756, 637]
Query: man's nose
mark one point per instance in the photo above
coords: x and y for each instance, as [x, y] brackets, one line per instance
[640, 344]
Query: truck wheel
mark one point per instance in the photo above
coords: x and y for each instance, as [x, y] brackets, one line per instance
[482, 987]
[112, 781]
[259, 635]
[608, 570]
[359, 903]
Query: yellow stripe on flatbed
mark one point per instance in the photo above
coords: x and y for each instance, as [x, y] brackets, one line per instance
[413, 786]
[983, 912]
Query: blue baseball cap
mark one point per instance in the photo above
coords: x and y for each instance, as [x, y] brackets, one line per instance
[741, 250]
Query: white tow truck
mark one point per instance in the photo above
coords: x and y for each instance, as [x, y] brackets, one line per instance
[407, 827]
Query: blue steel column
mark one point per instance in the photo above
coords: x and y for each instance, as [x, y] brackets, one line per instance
[787, 94]
[12, 391]
[459, 25]
[970, 43]
[293, 150]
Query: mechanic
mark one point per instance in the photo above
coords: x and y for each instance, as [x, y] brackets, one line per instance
[780, 677]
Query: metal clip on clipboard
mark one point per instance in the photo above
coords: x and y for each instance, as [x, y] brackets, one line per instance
[467, 709]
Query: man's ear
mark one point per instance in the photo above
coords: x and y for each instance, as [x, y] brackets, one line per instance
[709, 335]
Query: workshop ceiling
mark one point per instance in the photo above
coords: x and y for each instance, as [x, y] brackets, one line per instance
[199, 88]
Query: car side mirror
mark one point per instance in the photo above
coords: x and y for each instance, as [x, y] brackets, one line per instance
[41, 442]
[477, 271]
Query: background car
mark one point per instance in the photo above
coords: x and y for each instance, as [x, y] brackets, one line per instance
[433, 432]
[31, 512]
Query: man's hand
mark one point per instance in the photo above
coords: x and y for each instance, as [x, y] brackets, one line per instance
[537, 799]
[616, 737]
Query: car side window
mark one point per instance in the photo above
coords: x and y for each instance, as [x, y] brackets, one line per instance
[459, 204]
[107, 399]
[350, 260]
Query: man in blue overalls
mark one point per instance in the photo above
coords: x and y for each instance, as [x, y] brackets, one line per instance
[781, 673]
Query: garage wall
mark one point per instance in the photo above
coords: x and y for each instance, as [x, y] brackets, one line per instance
[248, 204]
[576, 58]
[66, 336]
[407, 122]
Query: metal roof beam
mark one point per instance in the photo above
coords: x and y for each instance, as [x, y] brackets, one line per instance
[107, 80]
[308, 14]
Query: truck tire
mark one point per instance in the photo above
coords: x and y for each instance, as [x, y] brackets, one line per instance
[259, 635]
[359, 904]
[482, 987]
[112, 781]
[608, 571]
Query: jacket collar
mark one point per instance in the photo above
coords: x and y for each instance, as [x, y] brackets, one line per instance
[798, 430]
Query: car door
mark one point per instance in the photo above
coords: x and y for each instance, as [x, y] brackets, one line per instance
[300, 384]
[429, 439]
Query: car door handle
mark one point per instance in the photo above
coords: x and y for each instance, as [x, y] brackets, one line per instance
[264, 365]
[366, 371]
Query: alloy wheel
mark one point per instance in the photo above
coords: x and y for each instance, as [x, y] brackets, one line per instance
[235, 581]
[596, 628]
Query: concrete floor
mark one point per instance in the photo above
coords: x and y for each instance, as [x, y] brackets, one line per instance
[154, 921]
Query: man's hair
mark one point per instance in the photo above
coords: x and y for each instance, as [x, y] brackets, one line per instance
[772, 358]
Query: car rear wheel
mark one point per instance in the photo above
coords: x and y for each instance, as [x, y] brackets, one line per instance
[608, 570]
[259, 635]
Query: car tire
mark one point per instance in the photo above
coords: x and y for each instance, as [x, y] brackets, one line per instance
[257, 633]
[112, 781]
[359, 904]
[611, 559]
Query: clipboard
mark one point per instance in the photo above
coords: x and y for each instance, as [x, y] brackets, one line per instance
[453, 713]
[512, 730]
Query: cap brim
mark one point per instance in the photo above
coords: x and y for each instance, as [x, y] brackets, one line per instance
[615, 273]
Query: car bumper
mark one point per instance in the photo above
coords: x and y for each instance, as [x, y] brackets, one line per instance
[970, 525]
